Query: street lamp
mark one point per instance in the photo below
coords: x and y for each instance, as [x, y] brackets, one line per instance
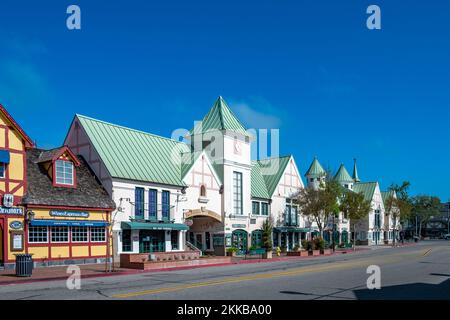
[29, 216]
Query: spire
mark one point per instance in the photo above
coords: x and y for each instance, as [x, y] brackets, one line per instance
[355, 171]
[315, 169]
[342, 175]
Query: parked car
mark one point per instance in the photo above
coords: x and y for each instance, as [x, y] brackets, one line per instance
[447, 236]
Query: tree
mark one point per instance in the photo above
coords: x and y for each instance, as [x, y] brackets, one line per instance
[423, 208]
[309, 201]
[329, 198]
[354, 207]
[398, 205]
[267, 228]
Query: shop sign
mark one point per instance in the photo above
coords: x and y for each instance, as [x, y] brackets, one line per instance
[238, 225]
[4, 210]
[72, 214]
[16, 225]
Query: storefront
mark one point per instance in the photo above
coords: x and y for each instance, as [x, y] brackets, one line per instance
[289, 237]
[67, 212]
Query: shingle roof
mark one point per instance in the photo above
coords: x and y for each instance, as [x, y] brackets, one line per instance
[40, 190]
[315, 170]
[272, 170]
[136, 155]
[48, 155]
[342, 175]
[220, 117]
[366, 188]
[258, 185]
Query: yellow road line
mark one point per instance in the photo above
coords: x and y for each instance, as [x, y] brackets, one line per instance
[297, 271]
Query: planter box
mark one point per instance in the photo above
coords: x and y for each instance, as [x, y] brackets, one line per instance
[267, 255]
[231, 254]
[314, 253]
[326, 251]
[301, 253]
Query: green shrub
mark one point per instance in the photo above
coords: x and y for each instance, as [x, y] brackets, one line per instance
[319, 243]
[232, 249]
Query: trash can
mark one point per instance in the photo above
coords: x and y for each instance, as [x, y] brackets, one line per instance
[24, 265]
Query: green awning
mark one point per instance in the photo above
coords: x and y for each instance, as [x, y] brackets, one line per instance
[152, 226]
[290, 229]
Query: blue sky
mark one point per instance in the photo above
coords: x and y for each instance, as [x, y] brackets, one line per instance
[335, 89]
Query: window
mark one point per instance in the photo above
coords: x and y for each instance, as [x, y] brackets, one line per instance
[79, 234]
[255, 208]
[311, 179]
[2, 169]
[64, 172]
[60, 234]
[202, 191]
[165, 204]
[98, 234]
[237, 193]
[265, 209]
[152, 203]
[37, 234]
[126, 240]
[294, 215]
[139, 203]
[174, 239]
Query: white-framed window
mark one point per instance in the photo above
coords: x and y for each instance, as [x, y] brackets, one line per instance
[79, 234]
[64, 172]
[237, 193]
[255, 208]
[37, 234]
[98, 234]
[2, 169]
[60, 234]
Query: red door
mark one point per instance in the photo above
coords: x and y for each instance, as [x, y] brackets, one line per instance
[1, 240]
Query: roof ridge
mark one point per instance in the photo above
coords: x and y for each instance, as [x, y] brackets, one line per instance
[128, 128]
[271, 158]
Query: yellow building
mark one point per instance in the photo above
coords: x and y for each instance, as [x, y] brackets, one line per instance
[13, 183]
[52, 205]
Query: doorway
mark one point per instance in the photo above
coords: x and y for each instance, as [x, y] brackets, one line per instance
[239, 240]
[199, 241]
[151, 241]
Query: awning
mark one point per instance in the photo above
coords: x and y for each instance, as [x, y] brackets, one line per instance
[152, 226]
[4, 156]
[68, 223]
[291, 229]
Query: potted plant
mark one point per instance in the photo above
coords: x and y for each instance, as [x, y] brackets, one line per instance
[313, 249]
[267, 228]
[231, 252]
[320, 245]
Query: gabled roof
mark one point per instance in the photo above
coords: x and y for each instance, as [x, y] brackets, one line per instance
[258, 184]
[342, 175]
[189, 160]
[53, 154]
[220, 117]
[88, 193]
[366, 188]
[28, 142]
[386, 194]
[136, 155]
[315, 170]
[272, 170]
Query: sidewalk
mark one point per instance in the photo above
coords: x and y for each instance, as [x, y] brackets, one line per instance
[7, 277]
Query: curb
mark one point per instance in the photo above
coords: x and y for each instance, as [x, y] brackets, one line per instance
[132, 271]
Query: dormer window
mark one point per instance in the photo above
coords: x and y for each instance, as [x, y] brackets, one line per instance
[64, 172]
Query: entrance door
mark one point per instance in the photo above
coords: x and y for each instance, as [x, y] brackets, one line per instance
[240, 241]
[1, 241]
[199, 241]
[151, 241]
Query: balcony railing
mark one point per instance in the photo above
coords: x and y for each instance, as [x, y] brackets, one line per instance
[161, 213]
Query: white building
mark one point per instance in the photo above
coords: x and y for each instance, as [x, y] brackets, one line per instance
[209, 193]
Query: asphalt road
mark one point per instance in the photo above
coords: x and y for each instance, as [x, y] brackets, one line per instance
[420, 271]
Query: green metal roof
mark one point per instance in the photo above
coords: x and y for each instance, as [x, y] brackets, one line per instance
[355, 172]
[386, 194]
[271, 179]
[315, 170]
[136, 155]
[366, 188]
[259, 188]
[342, 175]
[220, 117]
[125, 225]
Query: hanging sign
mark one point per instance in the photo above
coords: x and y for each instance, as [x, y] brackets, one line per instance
[16, 225]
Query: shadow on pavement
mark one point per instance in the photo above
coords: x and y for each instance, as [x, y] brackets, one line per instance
[414, 291]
